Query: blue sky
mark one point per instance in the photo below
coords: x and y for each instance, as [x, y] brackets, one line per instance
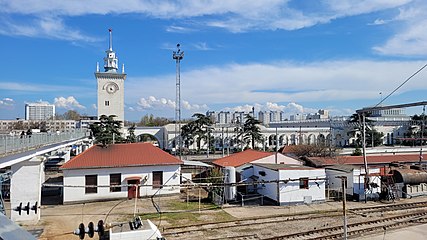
[289, 55]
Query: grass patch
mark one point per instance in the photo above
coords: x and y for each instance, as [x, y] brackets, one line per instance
[190, 217]
[182, 205]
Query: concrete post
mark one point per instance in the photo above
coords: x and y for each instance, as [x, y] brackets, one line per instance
[26, 184]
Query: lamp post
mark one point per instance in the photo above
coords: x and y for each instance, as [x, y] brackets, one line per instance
[178, 56]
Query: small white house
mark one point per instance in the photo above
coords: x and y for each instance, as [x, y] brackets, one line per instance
[355, 180]
[115, 171]
[288, 184]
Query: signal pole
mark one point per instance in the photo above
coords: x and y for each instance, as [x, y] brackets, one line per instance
[178, 56]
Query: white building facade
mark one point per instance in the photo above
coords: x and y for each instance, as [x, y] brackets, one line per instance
[39, 111]
[290, 184]
[126, 175]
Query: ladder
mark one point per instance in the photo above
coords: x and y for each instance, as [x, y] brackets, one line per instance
[391, 188]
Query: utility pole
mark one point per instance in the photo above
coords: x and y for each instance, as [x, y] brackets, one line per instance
[277, 147]
[344, 200]
[178, 56]
[208, 149]
[364, 155]
[222, 140]
[422, 134]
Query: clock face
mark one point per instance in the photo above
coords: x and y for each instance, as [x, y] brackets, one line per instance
[111, 88]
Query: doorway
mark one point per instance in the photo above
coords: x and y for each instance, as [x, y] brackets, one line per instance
[133, 191]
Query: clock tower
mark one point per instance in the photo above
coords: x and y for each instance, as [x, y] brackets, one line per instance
[111, 85]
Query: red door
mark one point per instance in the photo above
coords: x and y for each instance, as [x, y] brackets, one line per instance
[132, 190]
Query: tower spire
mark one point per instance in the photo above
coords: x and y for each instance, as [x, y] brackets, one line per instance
[111, 39]
[111, 61]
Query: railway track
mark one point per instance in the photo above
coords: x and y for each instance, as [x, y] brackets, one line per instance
[356, 229]
[213, 228]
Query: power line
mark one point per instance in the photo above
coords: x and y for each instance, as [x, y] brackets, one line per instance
[184, 185]
[409, 78]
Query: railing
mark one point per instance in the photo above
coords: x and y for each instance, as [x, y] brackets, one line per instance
[21, 143]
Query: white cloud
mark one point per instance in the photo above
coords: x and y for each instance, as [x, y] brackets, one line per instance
[290, 108]
[69, 103]
[7, 103]
[178, 29]
[152, 103]
[283, 82]
[45, 27]
[379, 22]
[410, 38]
[202, 46]
[94, 106]
[236, 16]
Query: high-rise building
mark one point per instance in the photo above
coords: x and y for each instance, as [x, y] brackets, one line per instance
[39, 111]
[264, 117]
[111, 86]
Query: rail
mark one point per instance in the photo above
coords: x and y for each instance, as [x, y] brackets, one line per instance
[21, 143]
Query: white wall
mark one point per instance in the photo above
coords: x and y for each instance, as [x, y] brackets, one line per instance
[26, 187]
[281, 159]
[77, 178]
[291, 193]
[269, 190]
[336, 184]
[355, 180]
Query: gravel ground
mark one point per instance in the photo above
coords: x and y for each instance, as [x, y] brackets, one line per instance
[58, 221]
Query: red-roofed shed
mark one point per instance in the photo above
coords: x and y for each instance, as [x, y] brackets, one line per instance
[120, 164]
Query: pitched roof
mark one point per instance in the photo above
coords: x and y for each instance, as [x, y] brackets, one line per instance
[121, 155]
[240, 158]
[276, 167]
[371, 159]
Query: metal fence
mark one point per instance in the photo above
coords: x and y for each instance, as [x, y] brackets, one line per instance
[21, 143]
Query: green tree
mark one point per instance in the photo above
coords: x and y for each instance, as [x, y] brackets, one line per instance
[251, 132]
[418, 130]
[197, 131]
[107, 130]
[131, 133]
[356, 121]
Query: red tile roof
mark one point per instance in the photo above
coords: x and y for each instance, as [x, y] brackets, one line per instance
[371, 159]
[121, 155]
[240, 158]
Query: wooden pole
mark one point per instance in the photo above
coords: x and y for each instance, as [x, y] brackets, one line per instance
[199, 201]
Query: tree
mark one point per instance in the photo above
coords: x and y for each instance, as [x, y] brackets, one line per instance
[71, 115]
[150, 120]
[308, 150]
[107, 130]
[197, 131]
[131, 134]
[415, 131]
[370, 133]
[251, 132]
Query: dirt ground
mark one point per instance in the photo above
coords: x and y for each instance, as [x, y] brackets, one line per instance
[59, 221]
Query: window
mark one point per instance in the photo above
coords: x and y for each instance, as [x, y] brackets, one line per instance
[157, 179]
[115, 179]
[107, 103]
[91, 180]
[303, 183]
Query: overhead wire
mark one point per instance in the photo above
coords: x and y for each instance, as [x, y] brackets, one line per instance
[409, 78]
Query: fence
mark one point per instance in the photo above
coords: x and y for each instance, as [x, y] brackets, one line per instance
[21, 143]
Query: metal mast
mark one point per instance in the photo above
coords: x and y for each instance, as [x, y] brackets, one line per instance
[178, 56]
